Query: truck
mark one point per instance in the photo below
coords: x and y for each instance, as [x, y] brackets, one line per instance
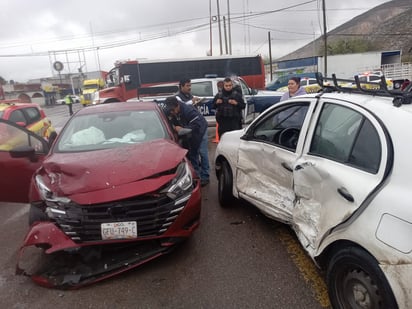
[388, 63]
[90, 86]
[125, 80]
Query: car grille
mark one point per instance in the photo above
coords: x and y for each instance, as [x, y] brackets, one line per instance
[153, 214]
[87, 96]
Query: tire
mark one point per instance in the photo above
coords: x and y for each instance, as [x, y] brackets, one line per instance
[355, 280]
[35, 215]
[225, 184]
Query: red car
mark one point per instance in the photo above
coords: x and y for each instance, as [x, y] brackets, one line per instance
[29, 115]
[114, 191]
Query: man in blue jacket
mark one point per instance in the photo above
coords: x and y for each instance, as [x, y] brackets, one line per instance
[188, 116]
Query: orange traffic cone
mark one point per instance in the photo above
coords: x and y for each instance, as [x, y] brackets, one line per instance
[216, 140]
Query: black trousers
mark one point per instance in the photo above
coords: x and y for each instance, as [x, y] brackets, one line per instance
[70, 109]
[228, 124]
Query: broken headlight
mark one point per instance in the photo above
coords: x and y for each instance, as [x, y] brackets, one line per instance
[182, 184]
[55, 204]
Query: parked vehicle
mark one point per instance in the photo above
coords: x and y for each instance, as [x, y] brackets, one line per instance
[106, 197]
[90, 86]
[127, 77]
[282, 81]
[206, 88]
[310, 84]
[75, 98]
[28, 115]
[335, 167]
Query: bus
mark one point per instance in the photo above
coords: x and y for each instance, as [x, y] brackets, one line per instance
[127, 77]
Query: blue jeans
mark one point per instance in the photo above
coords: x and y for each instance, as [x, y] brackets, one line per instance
[204, 158]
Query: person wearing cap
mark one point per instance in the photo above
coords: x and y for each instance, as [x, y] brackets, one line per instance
[187, 116]
[294, 89]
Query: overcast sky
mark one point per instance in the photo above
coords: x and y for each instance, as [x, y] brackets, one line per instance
[34, 34]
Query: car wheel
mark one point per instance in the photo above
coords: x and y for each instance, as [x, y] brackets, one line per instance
[225, 183]
[35, 215]
[355, 280]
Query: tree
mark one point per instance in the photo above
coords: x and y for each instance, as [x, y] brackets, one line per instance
[347, 46]
[2, 81]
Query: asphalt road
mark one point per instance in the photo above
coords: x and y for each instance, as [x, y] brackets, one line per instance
[236, 259]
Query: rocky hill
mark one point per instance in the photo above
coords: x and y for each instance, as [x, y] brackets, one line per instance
[383, 28]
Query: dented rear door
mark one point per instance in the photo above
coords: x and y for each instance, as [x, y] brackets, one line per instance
[343, 161]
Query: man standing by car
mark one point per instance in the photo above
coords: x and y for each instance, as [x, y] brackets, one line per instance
[69, 101]
[185, 92]
[185, 95]
[188, 116]
[229, 104]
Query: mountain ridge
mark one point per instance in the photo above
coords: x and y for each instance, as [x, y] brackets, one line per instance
[382, 28]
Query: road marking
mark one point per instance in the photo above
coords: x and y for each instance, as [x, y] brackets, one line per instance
[306, 266]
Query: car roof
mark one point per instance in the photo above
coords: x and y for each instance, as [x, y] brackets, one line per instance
[381, 106]
[4, 106]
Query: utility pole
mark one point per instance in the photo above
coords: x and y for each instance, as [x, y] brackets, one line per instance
[225, 33]
[210, 29]
[325, 40]
[229, 30]
[270, 56]
[220, 30]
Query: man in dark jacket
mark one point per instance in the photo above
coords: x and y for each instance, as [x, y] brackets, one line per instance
[185, 92]
[187, 116]
[229, 105]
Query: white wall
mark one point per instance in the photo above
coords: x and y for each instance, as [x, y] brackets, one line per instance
[346, 66]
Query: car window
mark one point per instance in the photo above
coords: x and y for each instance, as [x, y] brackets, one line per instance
[202, 89]
[17, 116]
[111, 130]
[243, 87]
[282, 127]
[374, 78]
[33, 114]
[13, 137]
[344, 135]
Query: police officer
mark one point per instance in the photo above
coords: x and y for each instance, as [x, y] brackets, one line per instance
[229, 104]
[69, 101]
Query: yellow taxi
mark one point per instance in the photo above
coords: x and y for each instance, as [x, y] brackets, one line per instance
[310, 84]
[28, 115]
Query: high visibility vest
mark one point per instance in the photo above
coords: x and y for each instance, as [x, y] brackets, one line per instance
[68, 100]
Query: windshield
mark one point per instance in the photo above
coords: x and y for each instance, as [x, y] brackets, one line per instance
[90, 86]
[110, 130]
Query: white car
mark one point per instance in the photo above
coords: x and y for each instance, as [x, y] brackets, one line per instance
[337, 168]
[75, 98]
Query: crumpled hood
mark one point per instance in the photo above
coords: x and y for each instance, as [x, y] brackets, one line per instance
[115, 173]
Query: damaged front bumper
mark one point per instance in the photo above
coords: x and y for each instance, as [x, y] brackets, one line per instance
[64, 264]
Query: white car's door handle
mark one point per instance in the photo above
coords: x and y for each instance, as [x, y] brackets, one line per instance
[346, 195]
[287, 167]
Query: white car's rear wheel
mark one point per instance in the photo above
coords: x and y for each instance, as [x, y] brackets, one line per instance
[355, 281]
